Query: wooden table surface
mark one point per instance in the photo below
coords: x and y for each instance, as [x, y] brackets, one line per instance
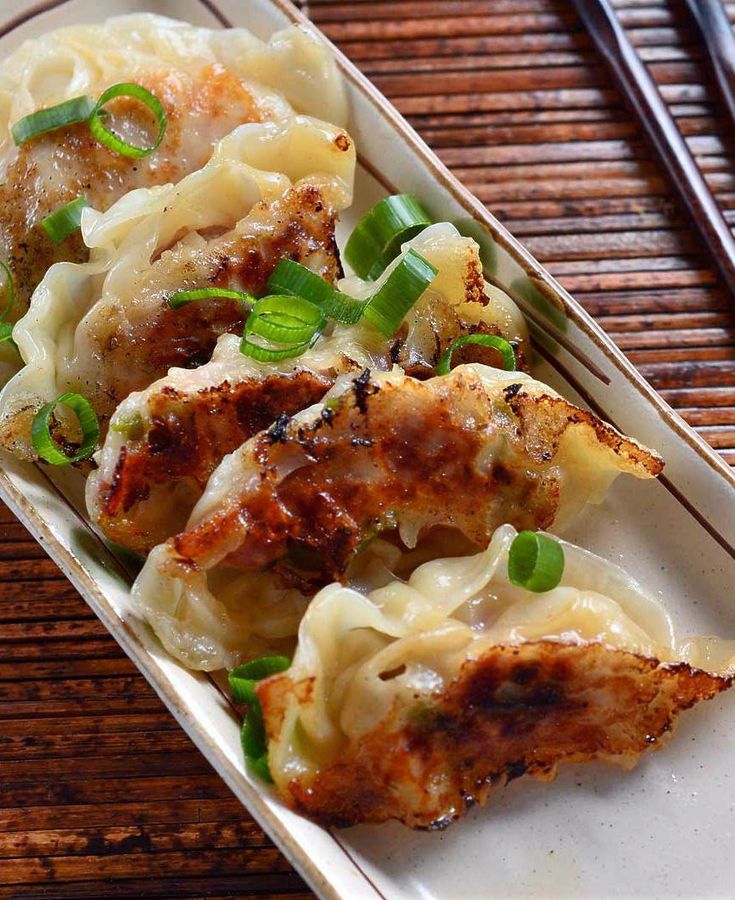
[101, 793]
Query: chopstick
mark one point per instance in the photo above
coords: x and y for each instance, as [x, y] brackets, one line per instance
[716, 31]
[640, 91]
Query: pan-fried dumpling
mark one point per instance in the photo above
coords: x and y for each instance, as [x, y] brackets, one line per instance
[209, 81]
[466, 450]
[105, 328]
[386, 452]
[413, 700]
[166, 441]
[459, 301]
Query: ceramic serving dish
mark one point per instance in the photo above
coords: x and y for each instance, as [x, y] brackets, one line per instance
[667, 828]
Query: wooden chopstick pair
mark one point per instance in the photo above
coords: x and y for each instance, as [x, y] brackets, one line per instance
[635, 83]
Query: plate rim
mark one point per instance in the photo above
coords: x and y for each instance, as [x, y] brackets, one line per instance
[120, 630]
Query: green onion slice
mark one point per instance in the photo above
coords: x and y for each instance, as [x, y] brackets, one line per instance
[65, 220]
[78, 109]
[252, 735]
[6, 334]
[285, 319]
[292, 322]
[181, 298]
[244, 678]
[377, 238]
[290, 277]
[405, 284]
[9, 292]
[535, 562]
[504, 347]
[274, 354]
[261, 768]
[107, 137]
[45, 445]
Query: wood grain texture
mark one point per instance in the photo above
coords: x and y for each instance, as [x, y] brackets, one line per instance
[101, 793]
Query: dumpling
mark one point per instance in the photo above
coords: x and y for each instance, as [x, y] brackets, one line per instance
[381, 452]
[209, 82]
[413, 700]
[105, 328]
[384, 452]
[459, 301]
[165, 442]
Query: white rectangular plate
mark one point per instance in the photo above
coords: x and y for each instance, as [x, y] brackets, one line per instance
[667, 828]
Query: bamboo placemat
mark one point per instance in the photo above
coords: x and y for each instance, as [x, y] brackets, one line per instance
[101, 793]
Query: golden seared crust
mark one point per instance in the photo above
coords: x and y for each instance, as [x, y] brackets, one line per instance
[516, 710]
[389, 451]
[546, 420]
[185, 439]
[57, 167]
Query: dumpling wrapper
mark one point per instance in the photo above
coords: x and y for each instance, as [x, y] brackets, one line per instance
[466, 451]
[209, 81]
[165, 442]
[383, 451]
[105, 328]
[413, 700]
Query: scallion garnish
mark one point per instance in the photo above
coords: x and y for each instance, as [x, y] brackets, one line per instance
[292, 322]
[403, 287]
[181, 298]
[107, 137]
[535, 562]
[252, 736]
[44, 443]
[286, 320]
[78, 109]
[6, 328]
[65, 220]
[505, 348]
[290, 277]
[9, 291]
[244, 678]
[377, 238]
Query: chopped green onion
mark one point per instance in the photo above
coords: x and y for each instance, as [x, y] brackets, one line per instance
[45, 445]
[9, 291]
[377, 238]
[6, 334]
[107, 137]
[285, 319]
[252, 735]
[343, 309]
[65, 220]
[294, 322]
[244, 678]
[79, 109]
[403, 287]
[261, 768]
[181, 298]
[290, 277]
[505, 348]
[535, 562]
[274, 354]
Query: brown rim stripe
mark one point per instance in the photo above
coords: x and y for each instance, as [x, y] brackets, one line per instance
[30, 14]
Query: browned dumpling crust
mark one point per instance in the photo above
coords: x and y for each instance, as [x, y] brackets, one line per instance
[466, 451]
[516, 710]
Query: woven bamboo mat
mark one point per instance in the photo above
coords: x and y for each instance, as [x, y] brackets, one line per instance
[101, 793]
